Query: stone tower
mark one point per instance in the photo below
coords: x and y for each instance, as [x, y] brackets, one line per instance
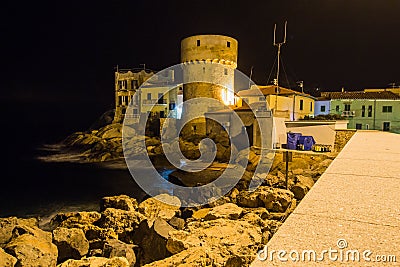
[209, 62]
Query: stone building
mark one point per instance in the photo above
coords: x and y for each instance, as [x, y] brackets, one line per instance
[127, 81]
[209, 62]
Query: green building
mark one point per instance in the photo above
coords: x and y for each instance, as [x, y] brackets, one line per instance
[367, 110]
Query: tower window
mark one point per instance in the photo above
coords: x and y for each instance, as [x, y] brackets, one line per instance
[198, 42]
[226, 71]
[148, 96]
[228, 44]
[301, 104]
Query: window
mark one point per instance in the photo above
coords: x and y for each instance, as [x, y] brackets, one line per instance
[363, 111]
[198, 42]
[387, 109]
[323, 108]
[346, 107]
[148, 96]
[226, 71]
[311, 106]
[228, 44]
[337, 108]
[204, 69]
[160, 98]
[301, 104]
[261, 98]
[135, 111]
[358, 126]
[369, 111]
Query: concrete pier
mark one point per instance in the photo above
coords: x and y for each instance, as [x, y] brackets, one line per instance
[353, 211]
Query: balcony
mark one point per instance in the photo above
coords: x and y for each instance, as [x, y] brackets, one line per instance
[154, 102]
[348, 113]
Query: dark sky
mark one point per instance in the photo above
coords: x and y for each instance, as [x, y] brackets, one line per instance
[68, 49]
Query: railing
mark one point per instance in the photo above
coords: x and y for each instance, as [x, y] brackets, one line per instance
[154, 101]
[348, 113]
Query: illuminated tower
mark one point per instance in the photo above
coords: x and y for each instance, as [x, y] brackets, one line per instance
[210, 58]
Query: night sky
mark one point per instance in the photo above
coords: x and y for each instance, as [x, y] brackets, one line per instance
[67, 50]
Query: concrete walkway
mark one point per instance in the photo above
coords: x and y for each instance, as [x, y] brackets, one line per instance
[355, 202]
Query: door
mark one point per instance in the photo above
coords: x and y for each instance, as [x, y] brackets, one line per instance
[386, 126]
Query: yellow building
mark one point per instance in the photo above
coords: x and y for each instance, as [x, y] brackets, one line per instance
[285, 103]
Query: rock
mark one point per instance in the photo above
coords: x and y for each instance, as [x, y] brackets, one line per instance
[7, 226]
[248, 199]
[297, 171]
[96, 262]
[34, 231]
[71, 243]
[302, 185]
[221, 237]
[196, 256]
[115, 248]
[261, 212]
[121, 202]
[6, 260]
[299, 163]
[226, 211]
[221, 153]
[121, 221]
[110, 131]
[32, 251]
[275, 199]
[156, 207]
[177, 223]
[75, 219]
[201, 213]
[152, 240]
[234, 194]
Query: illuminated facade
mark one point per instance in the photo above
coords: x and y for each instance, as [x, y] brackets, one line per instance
[209, 62]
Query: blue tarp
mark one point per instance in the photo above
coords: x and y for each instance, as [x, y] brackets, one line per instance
[306, 141]
[292, 139]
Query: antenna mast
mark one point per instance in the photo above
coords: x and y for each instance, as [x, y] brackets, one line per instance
[278, 45]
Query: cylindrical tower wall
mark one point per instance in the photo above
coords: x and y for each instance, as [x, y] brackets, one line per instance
[209, 62]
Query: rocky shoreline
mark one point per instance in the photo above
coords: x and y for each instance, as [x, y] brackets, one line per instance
[123, 232]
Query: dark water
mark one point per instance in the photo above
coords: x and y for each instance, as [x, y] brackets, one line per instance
[31, 187]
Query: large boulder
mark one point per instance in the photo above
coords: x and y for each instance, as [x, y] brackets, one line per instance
[223, 238]
[6, 260]
[75, 219]
[152, 240]
[121, 202]
[225, 211]
[7, 225]
[157, 206]
[196, 256]
[31, 230]
[96, 262]
[71, 243]
[32, 251]
[275, 199]
[301, 186]
[248, 199]
[123, 222]
[115, 248]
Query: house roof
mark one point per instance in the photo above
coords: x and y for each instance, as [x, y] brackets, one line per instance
[269, 90]
[361, 95]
